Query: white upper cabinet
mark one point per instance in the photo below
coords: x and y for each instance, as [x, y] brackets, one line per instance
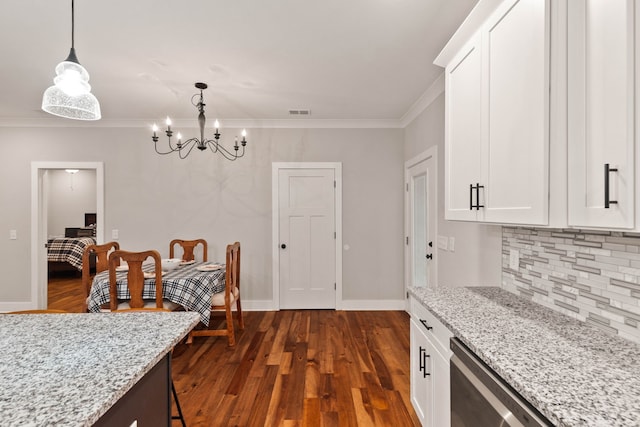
[516, 103]
[463, 129]
[601, 114]
[497, 127]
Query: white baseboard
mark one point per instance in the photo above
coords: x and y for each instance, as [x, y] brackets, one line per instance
[374, 305]
[17, 306]
[347, 305]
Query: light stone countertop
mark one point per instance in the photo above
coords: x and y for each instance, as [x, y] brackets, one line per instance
[70, 369]
[573, 373]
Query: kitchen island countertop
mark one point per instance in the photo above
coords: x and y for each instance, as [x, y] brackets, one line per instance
[69, 369]
[572, 372]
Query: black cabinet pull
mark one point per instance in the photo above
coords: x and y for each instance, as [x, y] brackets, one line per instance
[470, 197]
[421, 359]
[424, 363]
[607, 171]
[424, 323]
[476, 187]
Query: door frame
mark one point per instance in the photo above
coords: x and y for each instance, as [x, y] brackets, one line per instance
[39, 274]
[431, 152]
[275, 198]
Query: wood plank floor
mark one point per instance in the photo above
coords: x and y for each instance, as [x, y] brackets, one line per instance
[291, 368]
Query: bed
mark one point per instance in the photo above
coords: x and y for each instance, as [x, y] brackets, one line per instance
[67, 250]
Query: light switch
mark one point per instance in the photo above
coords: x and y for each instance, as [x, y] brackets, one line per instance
[452, 243]
[443, 242]
[114, 234]
[13, 234]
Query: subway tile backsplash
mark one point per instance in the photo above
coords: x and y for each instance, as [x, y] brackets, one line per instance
[593, 276]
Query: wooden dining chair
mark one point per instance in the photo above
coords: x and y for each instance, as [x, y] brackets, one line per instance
[188, 247]
[135, 281]
[101, 253]
[223, 301]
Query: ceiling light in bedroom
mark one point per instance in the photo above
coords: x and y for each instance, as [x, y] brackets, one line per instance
[183, 148]
[71, 96]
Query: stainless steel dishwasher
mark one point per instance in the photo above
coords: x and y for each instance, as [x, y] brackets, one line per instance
[480, 398]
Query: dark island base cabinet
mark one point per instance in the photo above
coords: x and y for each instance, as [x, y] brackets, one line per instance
[148, 402]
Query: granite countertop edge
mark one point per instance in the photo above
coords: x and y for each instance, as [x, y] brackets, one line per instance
[572, 372]
[79, 365]
[134, 380]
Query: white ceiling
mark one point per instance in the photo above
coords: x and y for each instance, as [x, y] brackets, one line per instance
[351, 60]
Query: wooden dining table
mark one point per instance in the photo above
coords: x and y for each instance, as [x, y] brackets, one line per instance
[188, 286]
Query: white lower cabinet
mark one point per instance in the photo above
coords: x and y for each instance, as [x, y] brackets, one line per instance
[430, 354]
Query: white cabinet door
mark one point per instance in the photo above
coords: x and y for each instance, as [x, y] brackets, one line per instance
[516, 102]
[421, 387]
[601, 113]
[463, 128]
[441, 389]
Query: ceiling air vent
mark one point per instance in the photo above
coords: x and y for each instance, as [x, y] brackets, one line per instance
[299, 112]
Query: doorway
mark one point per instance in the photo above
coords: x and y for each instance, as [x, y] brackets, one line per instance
[39, 220]
[421, 267]
[307, 235]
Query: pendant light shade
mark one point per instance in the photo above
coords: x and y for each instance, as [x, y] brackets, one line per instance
[71, 96]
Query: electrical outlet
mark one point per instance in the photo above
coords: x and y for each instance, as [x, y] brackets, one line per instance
[13, 234]
[514, 259]
[114, 234]
[443, 242]
[452, 243]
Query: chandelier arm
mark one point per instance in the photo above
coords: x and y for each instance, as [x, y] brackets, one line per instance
[226, 153]
[191, 142]
[171, 149]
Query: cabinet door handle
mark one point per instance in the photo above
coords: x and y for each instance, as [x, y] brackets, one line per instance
[423, 368]
[607, 171]
[476, 187]
[424, 363]
[470, 197]
[424, 323]
[478, 205]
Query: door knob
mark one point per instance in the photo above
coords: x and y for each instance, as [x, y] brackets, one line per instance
[283, 246]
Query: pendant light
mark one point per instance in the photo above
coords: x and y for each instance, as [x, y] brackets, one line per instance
[71, 96]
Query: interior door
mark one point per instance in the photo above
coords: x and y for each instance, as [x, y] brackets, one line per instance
[307, 233]
[421, 178]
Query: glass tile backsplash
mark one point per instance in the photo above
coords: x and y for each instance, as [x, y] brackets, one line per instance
[593, 276]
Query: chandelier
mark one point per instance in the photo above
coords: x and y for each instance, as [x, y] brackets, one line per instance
[71, 96]
[184, 147]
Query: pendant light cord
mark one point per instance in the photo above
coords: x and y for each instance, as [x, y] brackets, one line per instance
[72, 23]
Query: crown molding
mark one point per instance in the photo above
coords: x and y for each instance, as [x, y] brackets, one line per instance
[427, 98]
[192, 123]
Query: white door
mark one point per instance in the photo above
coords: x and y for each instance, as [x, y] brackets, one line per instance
[601, 113]
[515, 142]
[421, 205]
[307, 238]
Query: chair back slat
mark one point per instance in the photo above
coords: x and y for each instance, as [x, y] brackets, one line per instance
[135, 277]
[188, 247]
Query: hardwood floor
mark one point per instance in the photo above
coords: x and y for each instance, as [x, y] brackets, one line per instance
[291, 368]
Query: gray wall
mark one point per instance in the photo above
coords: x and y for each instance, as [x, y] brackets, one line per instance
[476, 259]
[69, 197]
[152, 199]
